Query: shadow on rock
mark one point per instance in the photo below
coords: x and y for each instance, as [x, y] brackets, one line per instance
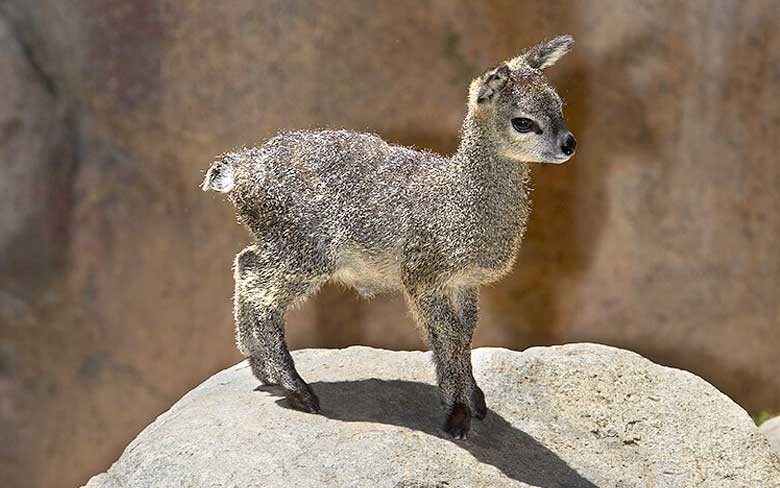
[414, 405]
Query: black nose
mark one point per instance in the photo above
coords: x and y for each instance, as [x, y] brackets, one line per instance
[569, 143]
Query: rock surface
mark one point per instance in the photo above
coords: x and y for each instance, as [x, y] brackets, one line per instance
[580, 415]
[771, 429]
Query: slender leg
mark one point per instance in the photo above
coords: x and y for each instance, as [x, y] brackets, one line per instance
[264, 290]
[450, 339]
[467, 303]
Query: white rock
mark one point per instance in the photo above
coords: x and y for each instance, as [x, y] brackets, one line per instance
[771, 429]
[580, 415]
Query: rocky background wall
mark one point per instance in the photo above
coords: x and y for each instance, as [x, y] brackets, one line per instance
[660, 236]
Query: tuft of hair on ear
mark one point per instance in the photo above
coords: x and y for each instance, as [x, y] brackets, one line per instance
[546, 53]
[219, 178]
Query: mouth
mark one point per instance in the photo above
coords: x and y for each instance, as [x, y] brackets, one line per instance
[559, 158]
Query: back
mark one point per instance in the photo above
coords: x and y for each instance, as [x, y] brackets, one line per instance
[337, 186]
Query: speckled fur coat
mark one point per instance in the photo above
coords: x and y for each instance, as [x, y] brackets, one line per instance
[349, 207]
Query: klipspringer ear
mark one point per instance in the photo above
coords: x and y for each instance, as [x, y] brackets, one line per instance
[496, 81]
[544, 54]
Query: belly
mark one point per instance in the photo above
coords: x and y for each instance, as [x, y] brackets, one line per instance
[477, 275]
[369, 275]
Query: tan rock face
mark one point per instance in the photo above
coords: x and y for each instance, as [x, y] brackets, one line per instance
[659, 236]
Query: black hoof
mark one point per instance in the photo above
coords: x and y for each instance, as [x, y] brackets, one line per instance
[478, 403]
[304, 400]
[458, 421]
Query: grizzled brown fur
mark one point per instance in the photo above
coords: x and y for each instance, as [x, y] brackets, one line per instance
[349, 207]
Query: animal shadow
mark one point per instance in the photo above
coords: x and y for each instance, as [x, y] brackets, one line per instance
[414, 405]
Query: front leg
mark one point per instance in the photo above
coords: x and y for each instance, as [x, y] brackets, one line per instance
[450, 339]
[467, 304]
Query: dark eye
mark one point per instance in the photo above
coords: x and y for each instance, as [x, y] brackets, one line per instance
[521, 124]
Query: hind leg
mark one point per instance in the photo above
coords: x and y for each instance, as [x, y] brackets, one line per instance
[265, 287]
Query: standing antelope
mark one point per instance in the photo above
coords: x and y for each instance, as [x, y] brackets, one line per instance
[335, 205]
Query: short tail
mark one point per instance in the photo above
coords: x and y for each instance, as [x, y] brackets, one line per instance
[219, 177]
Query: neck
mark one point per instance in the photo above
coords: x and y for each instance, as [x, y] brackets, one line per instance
[495, 189]
[478, 157]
